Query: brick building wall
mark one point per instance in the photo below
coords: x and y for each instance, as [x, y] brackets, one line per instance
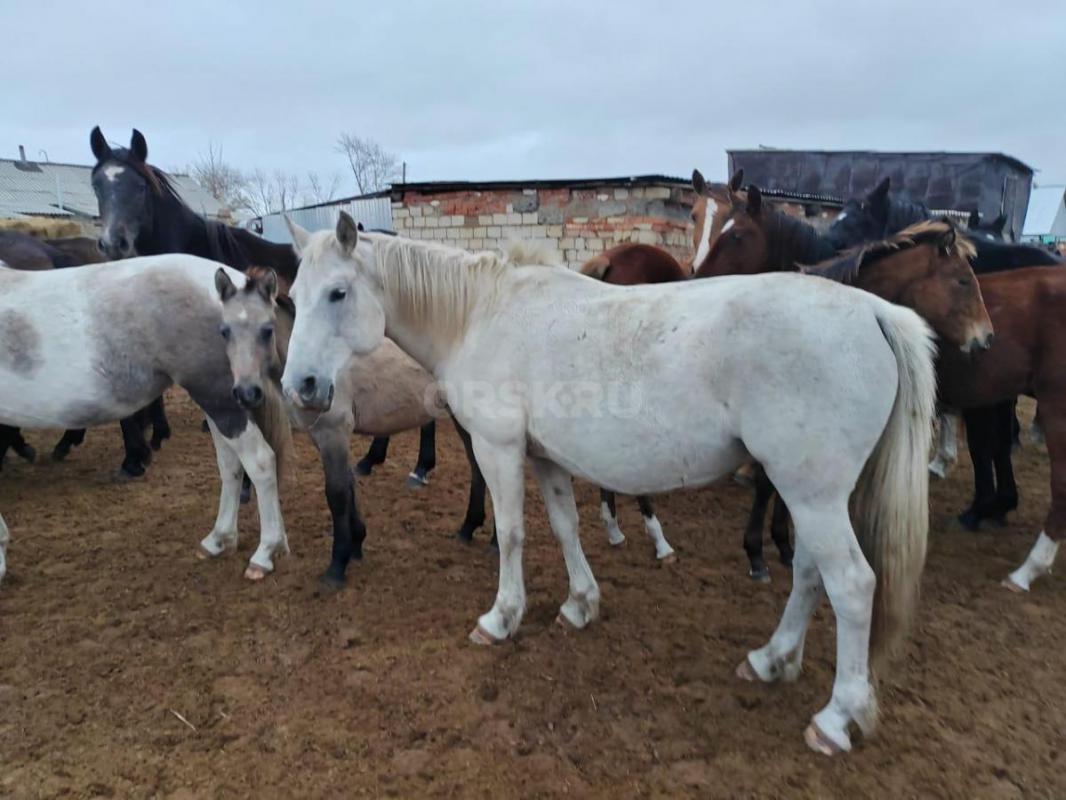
[582, 220]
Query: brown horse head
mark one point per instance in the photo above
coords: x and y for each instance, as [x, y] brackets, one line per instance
[256, 334]
[709, 211]
[925, 267]
[740, 246]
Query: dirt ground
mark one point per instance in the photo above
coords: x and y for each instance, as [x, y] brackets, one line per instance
[128, 668]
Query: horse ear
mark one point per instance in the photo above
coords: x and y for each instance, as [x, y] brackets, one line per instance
[754, 207]
[879, 196]
[947, 239]
[138, 146]
[267, 285]
[975, 220]
[736, 181]
[298, 234]
[101, 149]
[698, 183]
[347, 233]
[224, 285]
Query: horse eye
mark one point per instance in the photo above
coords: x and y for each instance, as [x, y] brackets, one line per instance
[736, 236]
[225, 331]
[692, 216]
[337, 295]
[266, 332]
[964, 281]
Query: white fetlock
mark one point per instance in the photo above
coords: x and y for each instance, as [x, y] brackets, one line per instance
[216, 543]
[663, 550]
[1038, 563]
[770, 669]
[491, 629]
[579, 612]
[939, 467]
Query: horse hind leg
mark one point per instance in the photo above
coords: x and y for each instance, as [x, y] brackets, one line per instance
[947, 452]
[160, 425]
[475, 506]
[1041, 557]
[427, 456]
[764, 490]
[663, 551]
[5, 537]
[138, 454]
[779, 531]
[70, 440]
[349, 531]
[582, 605]
[609, 515]
[379, 450]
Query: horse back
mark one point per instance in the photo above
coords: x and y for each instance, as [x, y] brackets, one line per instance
[633, 263]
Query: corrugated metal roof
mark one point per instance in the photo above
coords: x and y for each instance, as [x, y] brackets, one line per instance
[1045, 203]
[30, 188]
[430, 187]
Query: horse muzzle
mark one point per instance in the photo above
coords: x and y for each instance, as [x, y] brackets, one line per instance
[979, 342]
[312, 394]
[248, 396]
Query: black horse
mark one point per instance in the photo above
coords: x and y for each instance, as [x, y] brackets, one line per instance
[24, 252]
[990, 431]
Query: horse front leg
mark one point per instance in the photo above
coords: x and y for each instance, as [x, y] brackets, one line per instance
[505, 476]
[980, 437]
[349, 531]
[609, 515]
[1006, 487]
[427, 456]
[223, 536]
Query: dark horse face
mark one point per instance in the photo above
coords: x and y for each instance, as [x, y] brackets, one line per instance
[864, 220]
[124, 186]
[991, 231]
[741, 246]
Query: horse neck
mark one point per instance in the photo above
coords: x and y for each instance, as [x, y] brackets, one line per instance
[429, 321]
[791, 241]
[997, 256]
[902, 213]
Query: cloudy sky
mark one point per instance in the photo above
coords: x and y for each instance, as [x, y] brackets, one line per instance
[492, 90]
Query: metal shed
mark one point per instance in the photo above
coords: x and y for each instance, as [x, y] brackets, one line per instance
[990, 182]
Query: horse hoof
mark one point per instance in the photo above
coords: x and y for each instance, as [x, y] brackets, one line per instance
[970, 521]
[330, 584]
[760, 575]
[256, 573]
[480, 636]
[27, 454]
[668, 559]
[617, 542]
[464, 536]
[1010, 585]
[125, 476]
[364, 468]
[819, 742]
[746, 672]
[415, 481]
[60, 455]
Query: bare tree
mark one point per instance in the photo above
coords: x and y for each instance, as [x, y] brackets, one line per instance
[373, 166]
[227, 184]
[319, 190]
[270, 192]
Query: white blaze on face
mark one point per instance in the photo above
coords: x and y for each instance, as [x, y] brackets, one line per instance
[727, 226]
[704, 246]
[112, 172]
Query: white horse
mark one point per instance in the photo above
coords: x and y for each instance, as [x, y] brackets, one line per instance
[88, 346]
[651, 388]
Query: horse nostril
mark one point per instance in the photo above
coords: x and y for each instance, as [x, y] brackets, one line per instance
[308, 386]
[989, 339]
[101, 245]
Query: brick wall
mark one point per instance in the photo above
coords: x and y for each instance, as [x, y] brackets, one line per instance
[581, 222]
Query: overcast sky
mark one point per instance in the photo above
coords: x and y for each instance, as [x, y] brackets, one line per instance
[493, 90]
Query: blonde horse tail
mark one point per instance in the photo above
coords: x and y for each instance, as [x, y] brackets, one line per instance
[596, 267]
[272, 417]
[892, 498]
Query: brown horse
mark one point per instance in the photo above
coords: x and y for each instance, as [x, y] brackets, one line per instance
[908, 269]
[632, 263]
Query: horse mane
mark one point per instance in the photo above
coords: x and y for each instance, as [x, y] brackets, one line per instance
[847, 267]
[792, 241]
[429, 283]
